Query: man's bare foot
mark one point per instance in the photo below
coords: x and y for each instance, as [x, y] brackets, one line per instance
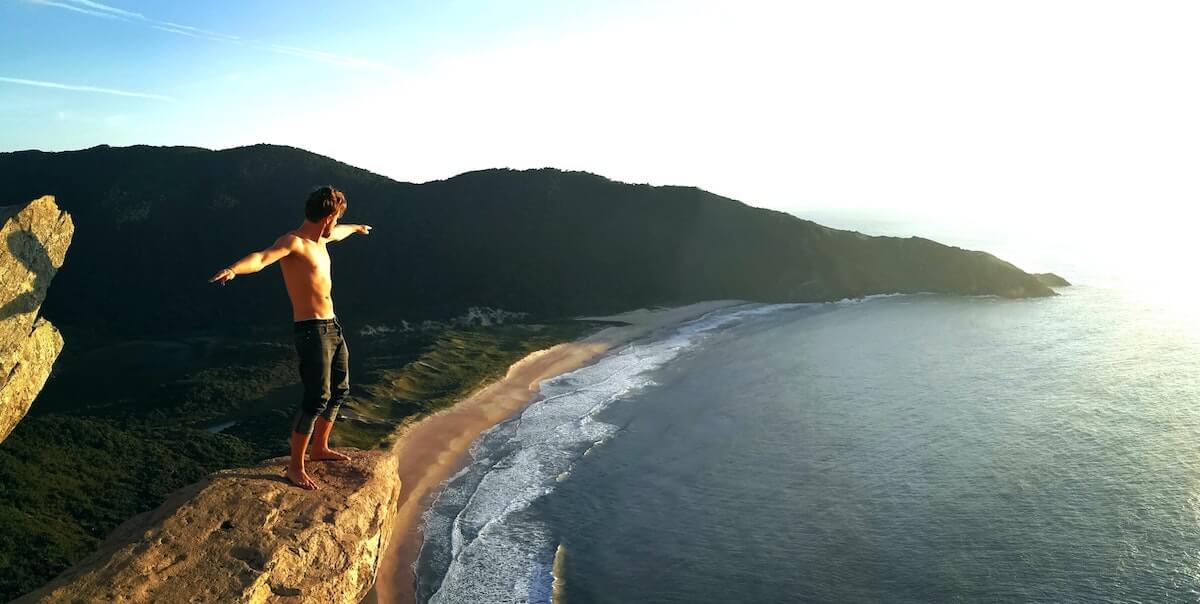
[301, 479]
[326, 454]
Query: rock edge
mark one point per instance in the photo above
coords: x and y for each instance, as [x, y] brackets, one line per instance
[34, 238]
[247, 535]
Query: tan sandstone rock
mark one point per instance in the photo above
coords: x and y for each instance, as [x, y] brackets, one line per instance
[246, 535]
[33, 243]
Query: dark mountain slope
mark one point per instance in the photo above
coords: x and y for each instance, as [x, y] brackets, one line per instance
[152, 224]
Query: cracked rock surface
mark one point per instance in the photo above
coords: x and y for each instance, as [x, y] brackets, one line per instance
[247, 535]
[33, 243]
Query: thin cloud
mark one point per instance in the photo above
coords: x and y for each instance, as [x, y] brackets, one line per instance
[197, 30]
[105, 11]
[318, 55]
[96, 6]
[60, 86]
[78, 9]
[197, 34]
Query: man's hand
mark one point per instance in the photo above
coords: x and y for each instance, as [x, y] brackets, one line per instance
[343, 231]
[224, 276]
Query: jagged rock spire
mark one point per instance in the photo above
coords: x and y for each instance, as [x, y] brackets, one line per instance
[33, 243]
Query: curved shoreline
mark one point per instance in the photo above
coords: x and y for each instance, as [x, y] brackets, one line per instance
[431, 450]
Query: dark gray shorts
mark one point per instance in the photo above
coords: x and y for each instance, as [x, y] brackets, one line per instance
[324, 371]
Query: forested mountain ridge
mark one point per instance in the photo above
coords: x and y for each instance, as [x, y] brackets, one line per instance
[153, 223]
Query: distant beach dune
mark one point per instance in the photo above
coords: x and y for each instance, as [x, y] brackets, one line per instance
[433, 449]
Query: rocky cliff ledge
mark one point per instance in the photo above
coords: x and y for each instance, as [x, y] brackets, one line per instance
[1051, 280]
[246, 535]
[33, 243]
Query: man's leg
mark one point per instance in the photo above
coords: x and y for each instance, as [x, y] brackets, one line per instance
[315, 352]
[322, 452]
[339, 377]
[295, 471]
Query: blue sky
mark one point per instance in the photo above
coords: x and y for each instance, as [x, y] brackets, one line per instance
[209, 72]
[1035, 117]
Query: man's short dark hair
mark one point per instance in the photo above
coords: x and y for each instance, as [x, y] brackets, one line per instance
[324, 202]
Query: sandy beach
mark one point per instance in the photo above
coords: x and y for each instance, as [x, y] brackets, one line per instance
[434, 448]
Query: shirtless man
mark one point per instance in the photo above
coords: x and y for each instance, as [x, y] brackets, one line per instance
[324, 359]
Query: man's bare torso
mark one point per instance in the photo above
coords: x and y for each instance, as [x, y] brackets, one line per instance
[307, 277]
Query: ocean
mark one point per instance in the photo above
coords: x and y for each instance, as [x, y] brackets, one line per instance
[915, 448]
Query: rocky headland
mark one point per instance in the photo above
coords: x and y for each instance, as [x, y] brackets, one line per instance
[1051, 280]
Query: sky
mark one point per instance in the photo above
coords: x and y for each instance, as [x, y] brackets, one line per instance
[1071, 126]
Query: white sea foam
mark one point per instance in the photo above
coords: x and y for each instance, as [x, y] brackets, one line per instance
[845, 301]
[481, 530]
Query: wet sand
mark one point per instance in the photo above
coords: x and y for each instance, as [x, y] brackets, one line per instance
[434, 448]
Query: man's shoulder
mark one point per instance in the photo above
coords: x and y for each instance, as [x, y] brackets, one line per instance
[289, 240]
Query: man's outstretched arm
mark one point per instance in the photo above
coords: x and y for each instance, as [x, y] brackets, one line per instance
[343, 231]
[256, 261]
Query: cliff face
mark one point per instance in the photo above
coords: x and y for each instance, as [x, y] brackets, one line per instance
[246, 535]
[33, 243]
